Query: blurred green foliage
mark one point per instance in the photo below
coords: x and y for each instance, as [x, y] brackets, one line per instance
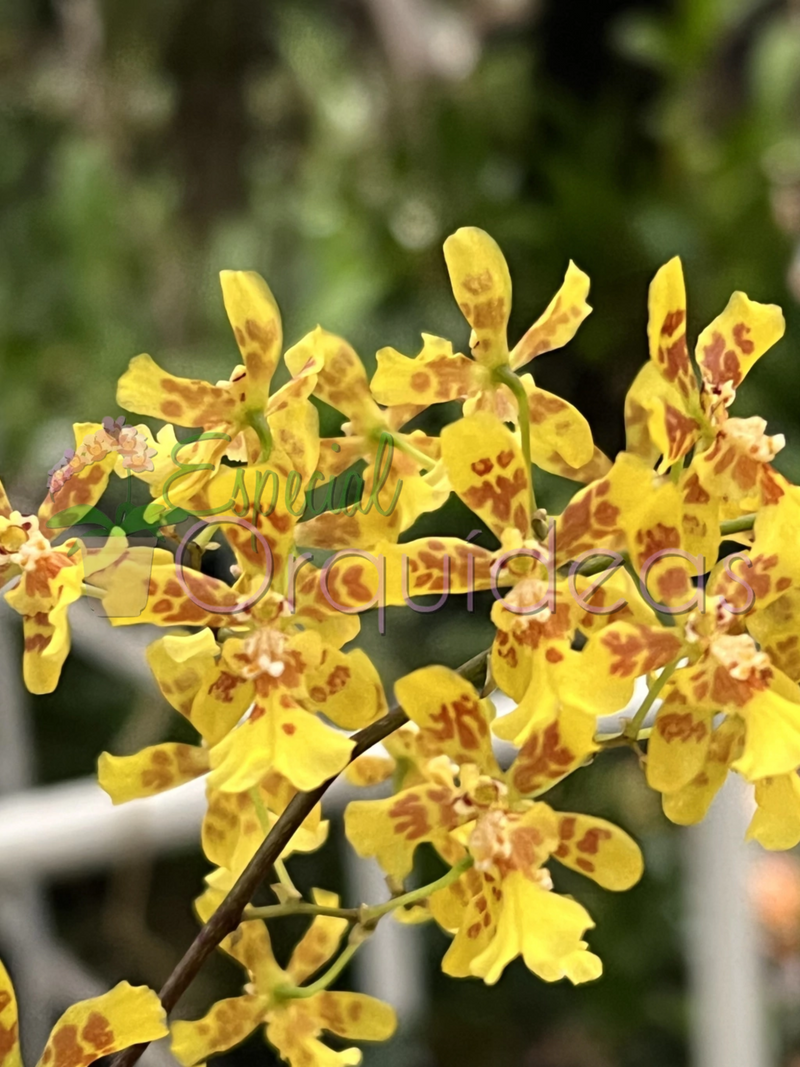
[332, 147]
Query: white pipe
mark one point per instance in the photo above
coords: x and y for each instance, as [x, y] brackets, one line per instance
[73, 826]
[728, 1024]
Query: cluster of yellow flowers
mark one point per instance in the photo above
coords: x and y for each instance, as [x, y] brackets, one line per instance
[626, 584]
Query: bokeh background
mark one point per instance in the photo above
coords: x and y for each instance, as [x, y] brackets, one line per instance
[332, 147]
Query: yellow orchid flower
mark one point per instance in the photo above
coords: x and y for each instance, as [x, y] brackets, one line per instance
[464, 805]
[770, 570]
[776, 821]
[667, 413]
[560, 438]
[240, 417]
[272, 679]
[394, 490]
[720, 670]
[293, 1024]
[50, 577]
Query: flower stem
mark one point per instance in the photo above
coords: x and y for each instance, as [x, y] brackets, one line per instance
[366, 918]
[377, 911]
[300, 907]
[289, 992]
[505, 374]
[285, 879]
[258, 421]
[402, 444]
[631, 731]
[234, 907]
[261, 810]
[366, 915]
[732, 526]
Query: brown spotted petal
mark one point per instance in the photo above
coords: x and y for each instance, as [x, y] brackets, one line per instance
[148, 390]
[390, 830]
[482, 288]
[754, 580]
[9, 1023]
[559, 323]
[256, 323]
[612, 661]
[678, 745]
[172, 595]
[600, 850]
[738, 337]
[689, 805]
[225, 1025]
[126, 1015]
[319, 943]
[341, 378]
[450, 714]
[151, 771]
[556, 745]
[346, 688]
[435, 375]
[484, 462]
[666, 330]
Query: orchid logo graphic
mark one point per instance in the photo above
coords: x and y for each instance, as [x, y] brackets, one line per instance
[135, 457]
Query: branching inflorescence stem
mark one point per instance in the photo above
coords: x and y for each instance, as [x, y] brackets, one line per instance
[229, 914]
[235, 907]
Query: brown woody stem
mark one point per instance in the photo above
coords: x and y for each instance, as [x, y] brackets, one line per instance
[229, 914]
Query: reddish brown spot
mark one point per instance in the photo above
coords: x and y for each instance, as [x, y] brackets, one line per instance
[411, 818]
[262, 334]
[721, 365]
[223, 687]
[681, 431]
[638, 653]
[97, 1031]
[499, 496]
[461, 718]
[743, 343]
[353, 584]
[67, 1052]
[674, 726]
[673, 320]
[37, 642]
[8, 1035]
[590, 842]
[542, 406]
[694, 493]
[543, 758]
[482, 467]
